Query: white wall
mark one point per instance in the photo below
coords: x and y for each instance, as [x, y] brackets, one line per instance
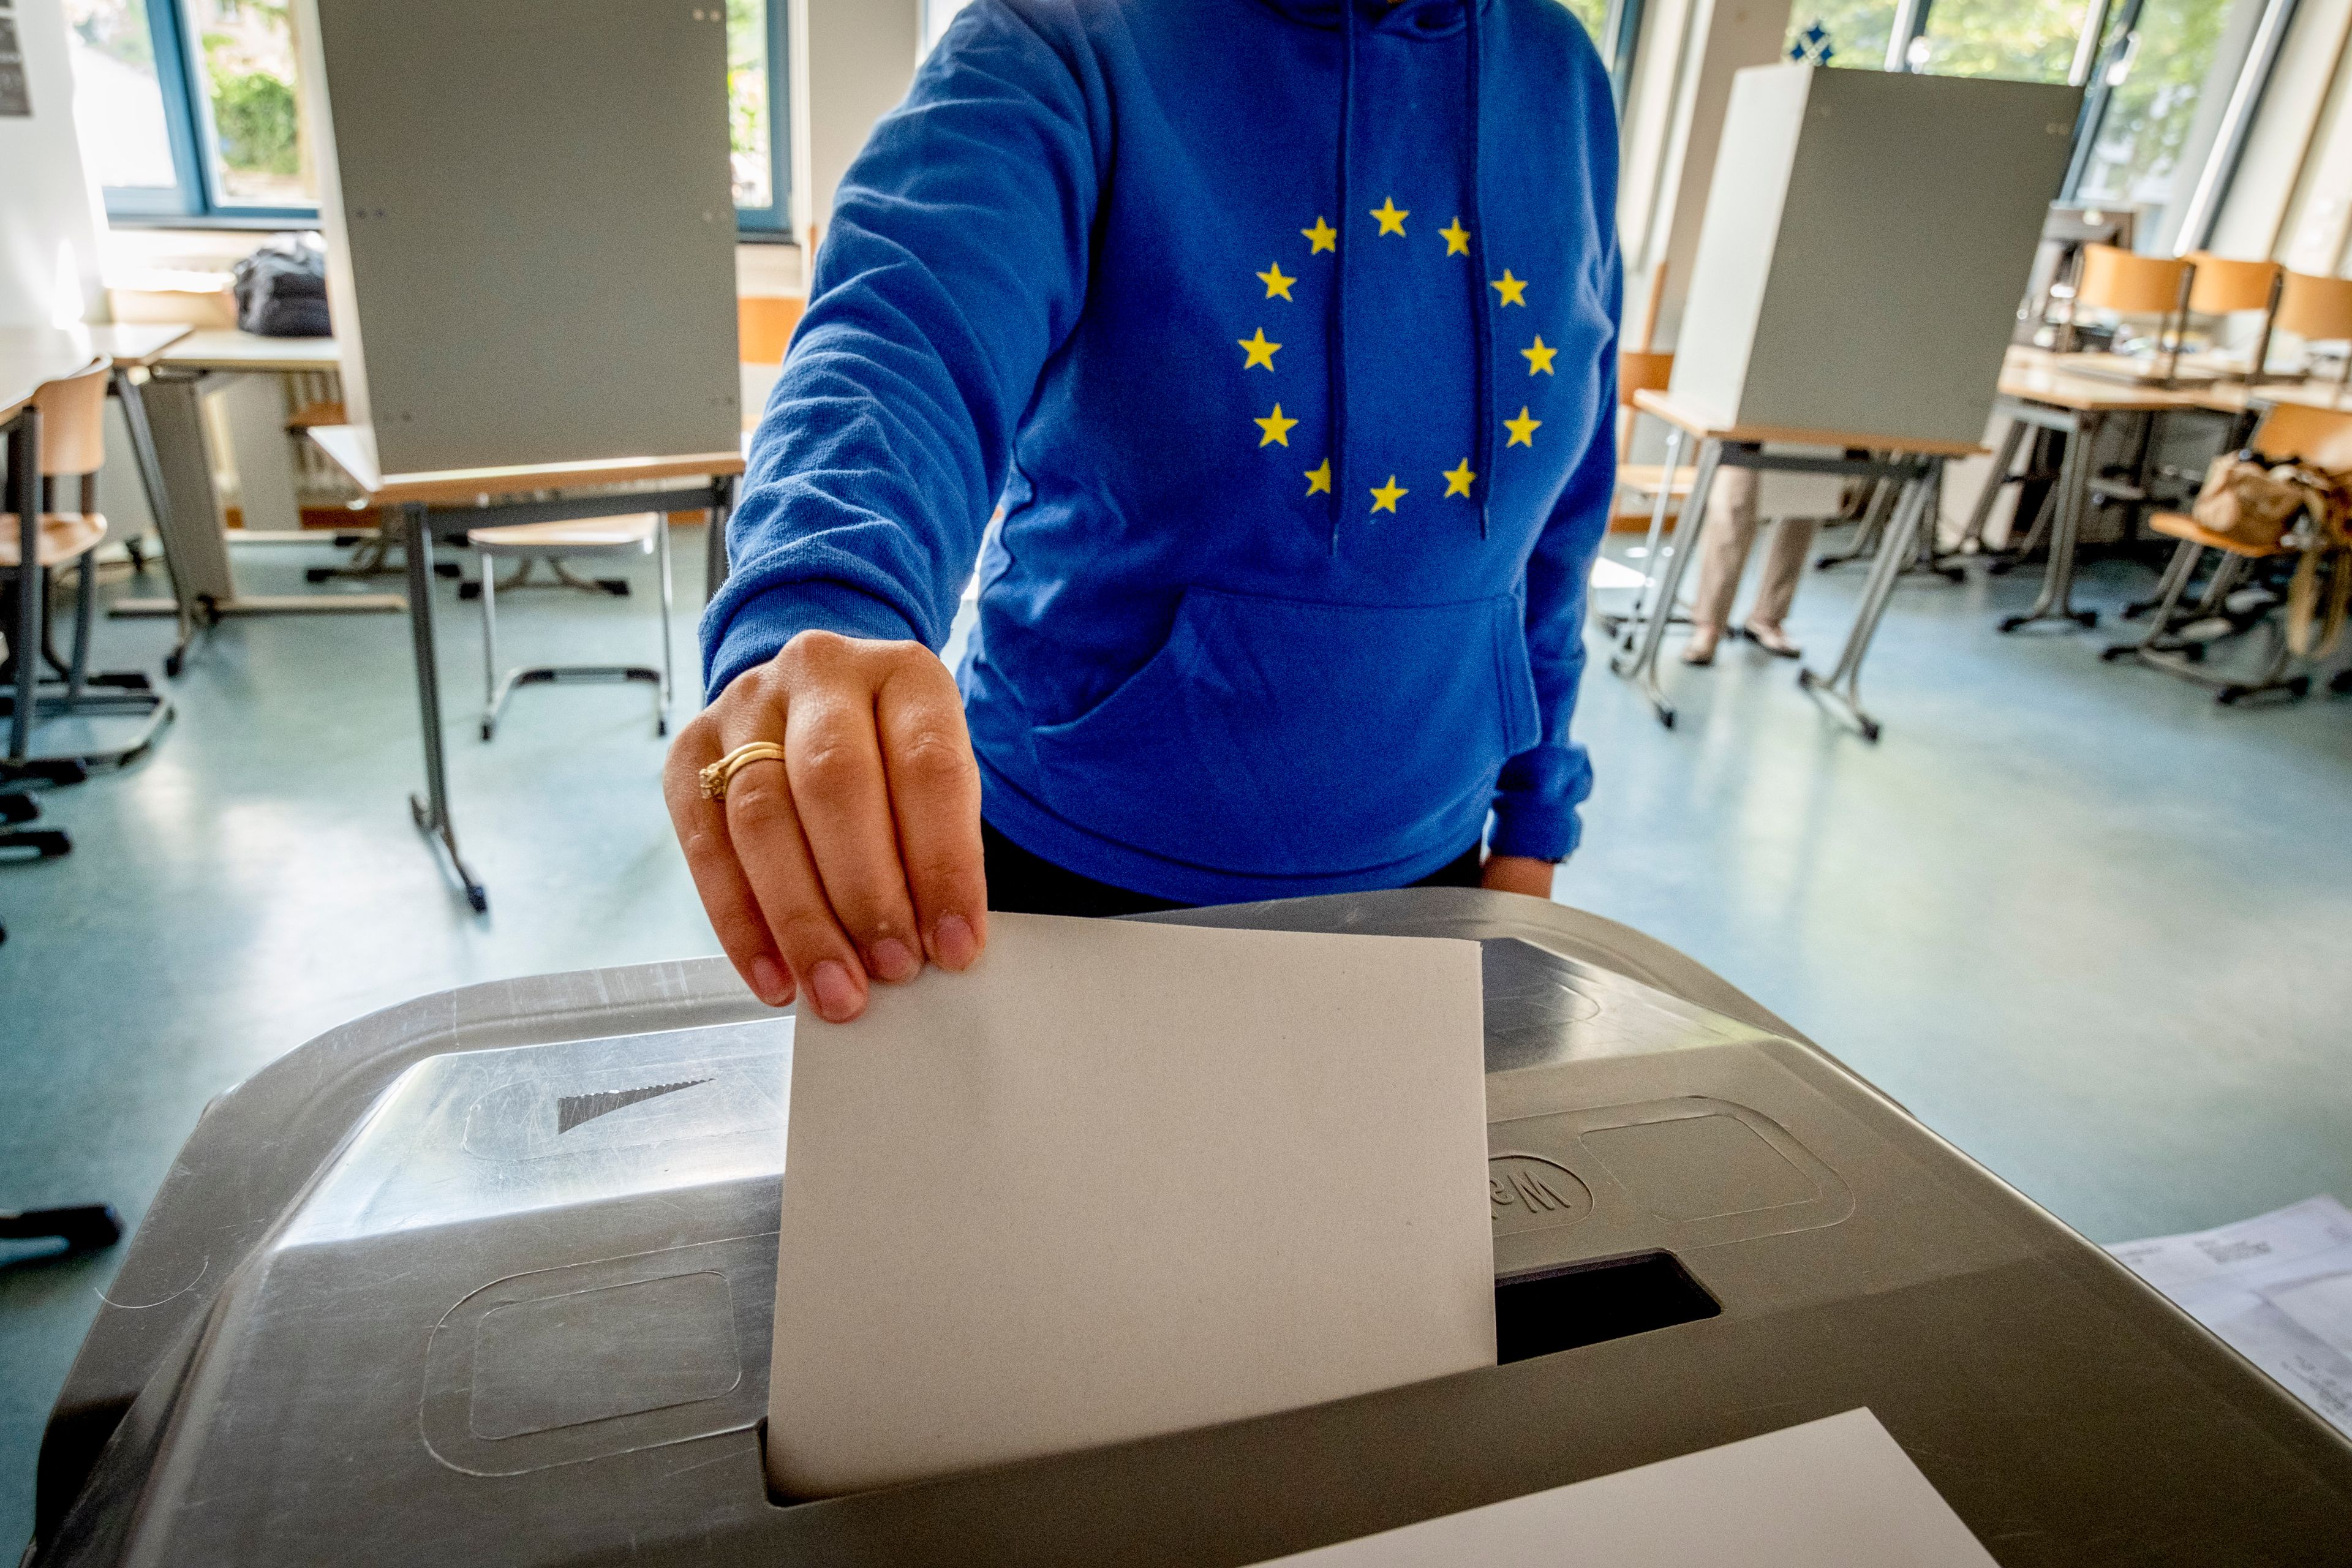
[49, 218]
[1689, 51]
[852, 61]
[2287, 142]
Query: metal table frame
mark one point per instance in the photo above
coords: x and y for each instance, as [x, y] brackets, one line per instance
[1643, 634]
[422, 524]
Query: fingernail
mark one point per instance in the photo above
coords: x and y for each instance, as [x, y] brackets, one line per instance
[836, 992]
[891, 961]
[953, 939]
[768, 982]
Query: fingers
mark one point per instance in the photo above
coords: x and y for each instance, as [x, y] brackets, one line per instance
[934, 794]
[860, 851]
[763, 824]
[834, 761]
[719, 878]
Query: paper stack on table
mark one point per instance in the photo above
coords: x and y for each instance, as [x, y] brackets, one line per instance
[2277, 1289]
[1833, 1493]
[1122, 1179]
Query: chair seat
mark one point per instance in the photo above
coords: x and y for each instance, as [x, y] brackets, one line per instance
[1645, 477]
[579, 536]
[65, 536]
[2178, 525]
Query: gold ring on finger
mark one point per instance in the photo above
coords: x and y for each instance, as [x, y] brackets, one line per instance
[717, 776]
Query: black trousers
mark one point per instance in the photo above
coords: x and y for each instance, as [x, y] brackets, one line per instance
[1023, 883]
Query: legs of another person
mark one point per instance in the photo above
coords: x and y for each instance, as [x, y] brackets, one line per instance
[1784, 562]
[1731, 534]
[1020, 882]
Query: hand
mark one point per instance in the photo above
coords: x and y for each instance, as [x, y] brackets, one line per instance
[856, 855]
[1517, 874]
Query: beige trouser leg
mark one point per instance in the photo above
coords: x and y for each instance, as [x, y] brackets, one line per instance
[1730, 531]
[1784, 562]
[1730, 535]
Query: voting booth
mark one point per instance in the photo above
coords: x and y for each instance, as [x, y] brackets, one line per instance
[491, 1276]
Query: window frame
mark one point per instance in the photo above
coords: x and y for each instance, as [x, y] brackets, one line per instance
[194, 201]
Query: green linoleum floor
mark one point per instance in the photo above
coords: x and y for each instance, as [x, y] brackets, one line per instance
[2084, 923]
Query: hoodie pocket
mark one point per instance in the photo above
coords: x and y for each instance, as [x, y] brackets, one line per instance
[1287, 738]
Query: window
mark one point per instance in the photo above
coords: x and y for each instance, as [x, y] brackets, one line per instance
[2021, 40]
[2151, 77]
[1847, 33]
[1595, 14]
[192, 110]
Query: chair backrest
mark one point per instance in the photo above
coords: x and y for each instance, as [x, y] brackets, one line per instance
[1641, 372]
[2317, 308]
[763, 326]
[2223, 285]
[73, 422]
[2127, 284]
[2320, 437]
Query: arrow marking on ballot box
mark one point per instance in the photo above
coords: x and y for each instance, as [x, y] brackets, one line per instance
[576, 1109]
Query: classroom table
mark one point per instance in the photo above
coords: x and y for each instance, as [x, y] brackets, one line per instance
[203, 578]
[447, 503]
[2037, 391]
[1916, 465]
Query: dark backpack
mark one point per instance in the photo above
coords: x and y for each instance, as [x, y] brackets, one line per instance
[281, 289]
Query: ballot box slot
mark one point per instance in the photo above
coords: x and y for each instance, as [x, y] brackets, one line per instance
[1585, 1303]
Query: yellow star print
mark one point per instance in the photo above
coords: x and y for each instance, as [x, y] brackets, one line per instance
[1318, 479]
[1277, 287]
[1322, 237]
[1458, 478]
[1457, 238]
[1384, 497]
[1257, 351]
[1512, 289]
[1276, 428]
[1391, 216]
[1539, 357]
[1523, 429]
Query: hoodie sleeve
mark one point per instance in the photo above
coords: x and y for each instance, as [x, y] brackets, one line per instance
[1536, 799]
[955, 266]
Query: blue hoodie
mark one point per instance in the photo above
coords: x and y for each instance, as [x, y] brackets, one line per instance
[1295, 393]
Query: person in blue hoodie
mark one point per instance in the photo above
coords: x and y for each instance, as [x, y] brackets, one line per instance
[1279, 336]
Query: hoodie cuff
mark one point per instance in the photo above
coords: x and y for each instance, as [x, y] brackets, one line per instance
[762, 625]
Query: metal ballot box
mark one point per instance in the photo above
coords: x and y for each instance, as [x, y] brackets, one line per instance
[487, 1277]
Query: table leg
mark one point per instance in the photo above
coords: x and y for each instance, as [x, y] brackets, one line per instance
[1972, 537]
[127, 393]
[432, 813]
[714, 542]
[2074, 499]
[1883, 497]
[1842, 686]
[1690, 530]
[25, 630]
[1628, 626]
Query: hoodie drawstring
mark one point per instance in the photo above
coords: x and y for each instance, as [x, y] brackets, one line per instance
[1338, 357]
[1482, 329]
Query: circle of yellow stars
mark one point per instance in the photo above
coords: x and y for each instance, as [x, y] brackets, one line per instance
[1258, 351]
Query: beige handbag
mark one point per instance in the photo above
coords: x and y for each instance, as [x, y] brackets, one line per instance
[2251, 502]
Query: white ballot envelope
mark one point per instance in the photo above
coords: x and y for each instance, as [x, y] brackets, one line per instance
[1120, 1178]
[1834, 1493]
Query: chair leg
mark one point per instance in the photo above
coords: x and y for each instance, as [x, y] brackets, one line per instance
[491, 645]
[661, 538]
[84, 613]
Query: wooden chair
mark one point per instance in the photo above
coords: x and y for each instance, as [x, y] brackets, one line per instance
[2223, 287]
[2122, 283]
[72, 448]
[2320, 437]
[637, 534]
[2318, 310]
[765, 324]
[1637, 483]
[1638, 370]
